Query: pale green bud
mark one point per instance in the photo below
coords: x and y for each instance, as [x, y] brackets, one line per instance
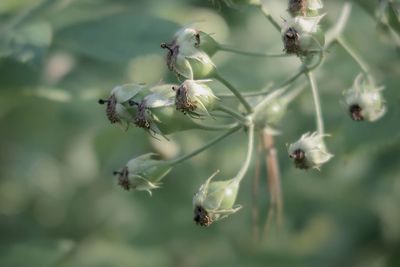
[215, 201]
[189, 54]
[302, 35]
[304, 7]
[364, 100]
[195, 98]
[120, 95]
[309, 151]
[143, 173]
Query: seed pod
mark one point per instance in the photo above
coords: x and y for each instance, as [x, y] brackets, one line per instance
[189, 53]
[364, 100]
[143, 173]
[309, 151]
[215, 201]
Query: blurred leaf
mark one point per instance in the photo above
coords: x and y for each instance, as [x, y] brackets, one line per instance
[393, 16]
[117, 37]
[27, 43]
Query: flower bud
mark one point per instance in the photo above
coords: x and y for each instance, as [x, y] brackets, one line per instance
[189, 53]
[143, 173]
[309, 151]
[364, 100]
[194, 98]
[215, 201]
[304, 7]
[120, 95]
[302, 35]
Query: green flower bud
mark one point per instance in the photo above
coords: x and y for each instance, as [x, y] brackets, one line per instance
[189, 53]
[309, 151]
[302, 35]
[304, 7]
[194, 98]
[116, 111]
[143, 173]
[364, 100]
[215, 201]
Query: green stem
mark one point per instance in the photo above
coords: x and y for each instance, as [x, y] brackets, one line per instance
[235, 92]
[317, 103]
[357, 58]
[338, 28]
[247, 161]
[233, 113]
[270, 18]
[253, 54]
[210, 127]
[201, 149]
[261, 106]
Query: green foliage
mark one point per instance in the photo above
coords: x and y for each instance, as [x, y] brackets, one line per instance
[60, 204]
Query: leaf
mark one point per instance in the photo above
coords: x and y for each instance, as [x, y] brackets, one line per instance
[27, 43]
[118, 37]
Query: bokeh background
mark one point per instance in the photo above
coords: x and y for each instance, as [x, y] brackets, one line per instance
[60, 204]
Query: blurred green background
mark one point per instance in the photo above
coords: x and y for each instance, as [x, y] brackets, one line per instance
[60, 204]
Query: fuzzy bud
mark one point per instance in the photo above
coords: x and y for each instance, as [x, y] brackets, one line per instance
[364, 100]
[215, 201]
[309, 151]
[302, 35]
[194, 98]
[304, 7]
[143, 173]
[189, 53]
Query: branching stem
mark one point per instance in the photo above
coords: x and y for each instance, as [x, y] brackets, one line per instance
[317, 103]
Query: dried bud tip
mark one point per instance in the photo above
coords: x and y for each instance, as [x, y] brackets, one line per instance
[165, 46]
[201, 217]
[102, 101]
[355, 112]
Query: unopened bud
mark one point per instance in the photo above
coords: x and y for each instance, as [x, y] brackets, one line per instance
[189, 53]
[143, 173]
[309, 151]
[304, 7]
[215, 201]
[364, 100]
[195, 98]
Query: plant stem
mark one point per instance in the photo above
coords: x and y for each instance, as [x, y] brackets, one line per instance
[261, 106]
[210, 127]
[270, 18]
[357, 58]
[247, 161]
[253, 54]
[201, 149]
[317, 103]
[273, 180]
[235, 92]
[338, 28]
[255, 210]
[233, 113]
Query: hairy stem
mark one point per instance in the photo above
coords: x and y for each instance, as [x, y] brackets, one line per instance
[356, 57]
[338, 28]
[247, 161]
[210, 127]
[236, 115]
[201, 149]
[235, 92]
[252, 54]
[317, 103]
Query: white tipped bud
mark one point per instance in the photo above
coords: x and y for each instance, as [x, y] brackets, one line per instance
[309, 151]
[189, 53]
[302, 35]
[195, 98]
[364, 100]
[215, 201]
[143, 173]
